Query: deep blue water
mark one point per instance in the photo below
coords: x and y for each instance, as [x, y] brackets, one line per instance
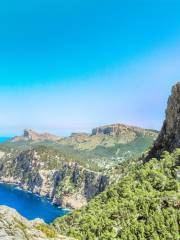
[3, 139]
[29, 205]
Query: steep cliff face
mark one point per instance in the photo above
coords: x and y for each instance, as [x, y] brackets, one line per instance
[109, 136]
[122, 130]
[169, 137]
[43, 171]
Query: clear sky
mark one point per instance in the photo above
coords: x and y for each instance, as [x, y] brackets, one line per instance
[70, 65]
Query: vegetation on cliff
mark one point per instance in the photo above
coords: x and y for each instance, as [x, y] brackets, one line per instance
[72, 170]
[143, 205]
[91, 154]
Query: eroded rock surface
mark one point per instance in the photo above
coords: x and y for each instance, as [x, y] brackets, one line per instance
[169, 137]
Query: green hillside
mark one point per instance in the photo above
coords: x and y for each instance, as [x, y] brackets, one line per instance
[96, 158]
[143, 205]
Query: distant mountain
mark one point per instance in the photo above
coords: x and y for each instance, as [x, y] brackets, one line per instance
[104, 147]
[34, 136]
[108, 136]
[122, 130]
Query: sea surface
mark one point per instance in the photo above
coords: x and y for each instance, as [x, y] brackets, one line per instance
[29, 205]
[4, 139]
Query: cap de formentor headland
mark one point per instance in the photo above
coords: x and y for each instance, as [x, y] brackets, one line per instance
[90, 120]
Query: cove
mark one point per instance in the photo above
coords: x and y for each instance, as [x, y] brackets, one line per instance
[28, 204]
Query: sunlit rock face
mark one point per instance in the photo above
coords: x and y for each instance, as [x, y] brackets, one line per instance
[169, 137]
[123, 130]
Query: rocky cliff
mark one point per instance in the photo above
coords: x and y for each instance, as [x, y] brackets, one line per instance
[45, 171]
[169, 137]
[126, 132]
[34, 136]
[108, 136]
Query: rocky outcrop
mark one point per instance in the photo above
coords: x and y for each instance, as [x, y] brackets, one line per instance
[15, 227]
[169, 137]
[108, 136]
[34, 136]
[74, 185]
[43, 172]
[122, 130]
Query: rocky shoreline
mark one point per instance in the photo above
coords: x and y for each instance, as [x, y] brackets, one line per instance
[70, 186]
[14, 226]
[17, 184]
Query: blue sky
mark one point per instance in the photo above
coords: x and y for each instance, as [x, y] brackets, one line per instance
[72, 65]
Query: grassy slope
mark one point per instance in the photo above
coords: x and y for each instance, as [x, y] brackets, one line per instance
[143, 205]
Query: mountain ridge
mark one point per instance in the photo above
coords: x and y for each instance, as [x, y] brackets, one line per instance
[30, 134]
[118, 128]
[107, 136]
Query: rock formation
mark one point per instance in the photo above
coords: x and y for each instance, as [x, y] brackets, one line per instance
[108, 136]
[34, 136]
[169, 137]
[122, 130]
[47, 173]
[15, 227]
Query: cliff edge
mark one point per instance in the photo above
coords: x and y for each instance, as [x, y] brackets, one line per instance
[169, 136]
